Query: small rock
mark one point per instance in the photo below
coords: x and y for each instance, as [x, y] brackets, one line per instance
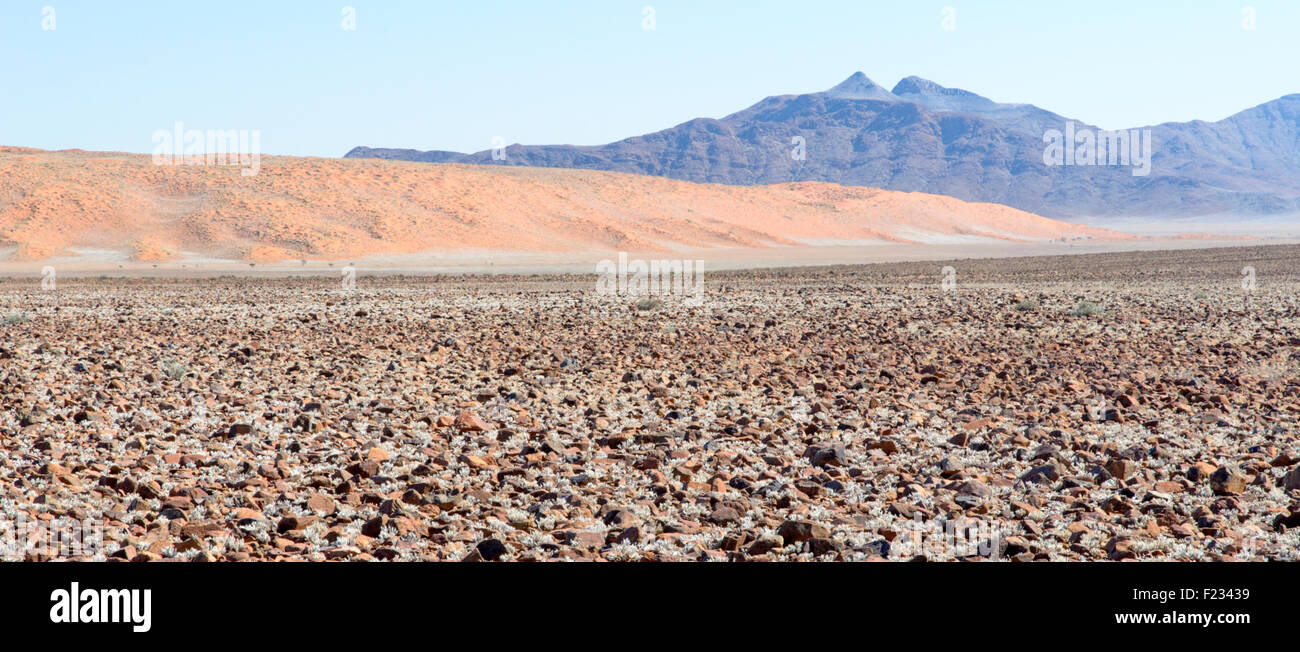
[724, 515]
[621, 519]
[1227, 481]
[1043, 474]
[1200, 472]
[467, 421]
[766, 544]
[321, 504]
[1120, 468]
[830, 456]
[1292, 480]
[823, 546]
[491, 549]
[885, 446]
[974, 488]
[798, 531]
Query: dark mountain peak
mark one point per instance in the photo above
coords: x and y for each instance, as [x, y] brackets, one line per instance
[434, 156]
[858, 77]
[860, 87]
[917, 86]
[941, 98]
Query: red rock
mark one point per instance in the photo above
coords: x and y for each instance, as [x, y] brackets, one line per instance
[245, 513]
[886, 446]
[1292, 480]
[586, 539]
[1227, 481]
[321, 504]
[1201, 471]
[798, 531]
[469, 422]
[1121, 468]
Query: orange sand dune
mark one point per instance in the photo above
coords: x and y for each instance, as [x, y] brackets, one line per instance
[61, 203]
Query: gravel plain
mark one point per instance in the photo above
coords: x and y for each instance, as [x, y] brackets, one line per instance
[1136, 406]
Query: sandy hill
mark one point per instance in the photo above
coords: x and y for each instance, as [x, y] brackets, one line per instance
[74, 202]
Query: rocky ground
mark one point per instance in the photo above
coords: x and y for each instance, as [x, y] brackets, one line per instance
[1119, 406]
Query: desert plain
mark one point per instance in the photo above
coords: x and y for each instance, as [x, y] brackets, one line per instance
[1110, 406]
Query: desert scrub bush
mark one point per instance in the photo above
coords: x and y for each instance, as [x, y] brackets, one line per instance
[649, 304]
[1028, 305]
[1272, 371]
[1087, 309]
[174, 369]
[15, 318]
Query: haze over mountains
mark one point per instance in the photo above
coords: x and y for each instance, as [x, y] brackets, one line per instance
[921, 136]
[120, 207]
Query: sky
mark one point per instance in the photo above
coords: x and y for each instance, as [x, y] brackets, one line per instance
[433, 74]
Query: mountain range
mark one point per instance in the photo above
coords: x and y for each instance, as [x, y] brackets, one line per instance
[921, 136]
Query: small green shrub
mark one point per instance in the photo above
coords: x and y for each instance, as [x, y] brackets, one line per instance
[1087, 309]
[174, 369]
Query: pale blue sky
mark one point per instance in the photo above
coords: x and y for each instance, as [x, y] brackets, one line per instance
[432, 74]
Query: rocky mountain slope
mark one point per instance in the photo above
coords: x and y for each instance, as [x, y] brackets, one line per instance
[924, 137]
